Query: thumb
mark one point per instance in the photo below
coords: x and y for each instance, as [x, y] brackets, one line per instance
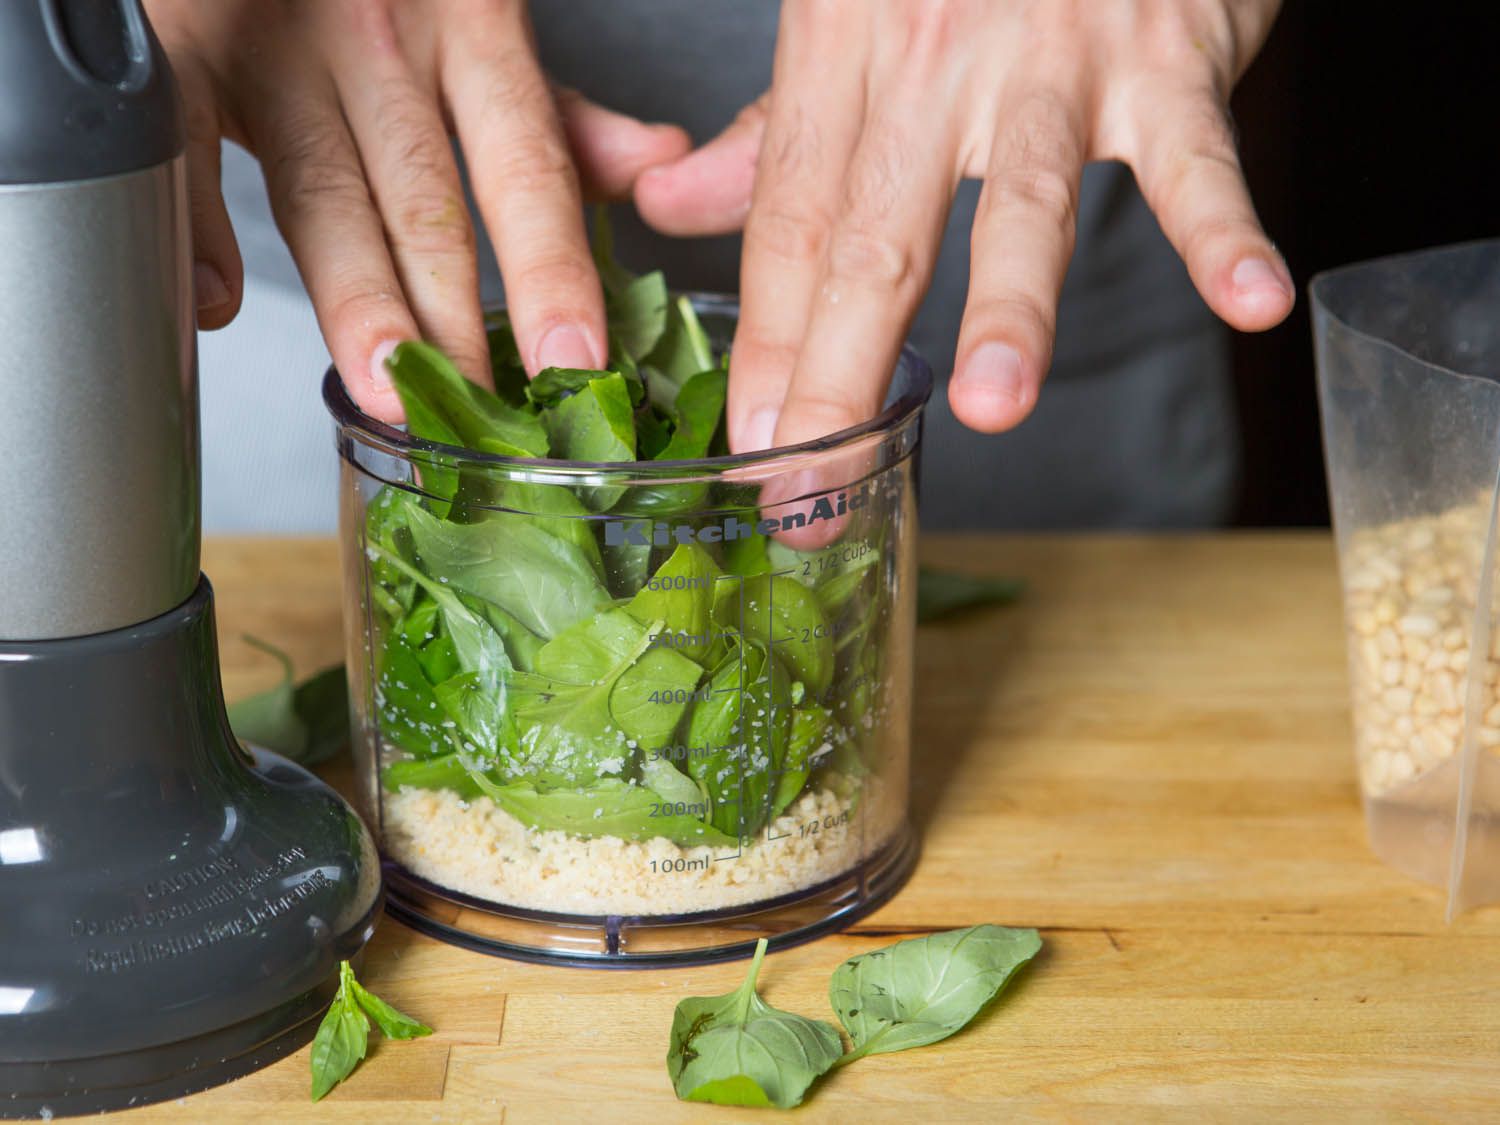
[218, 274]
[612, 149]
[708, 190]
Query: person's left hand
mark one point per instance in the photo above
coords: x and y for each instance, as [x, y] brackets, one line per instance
[843, 173]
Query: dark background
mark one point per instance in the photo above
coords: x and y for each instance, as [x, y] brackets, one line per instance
[1365, 129]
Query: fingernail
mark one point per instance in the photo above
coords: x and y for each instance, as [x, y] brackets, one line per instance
[380, 374]
[209, 288]
[760, 429]
[1257, 274]
[995, 369]
[565, 346]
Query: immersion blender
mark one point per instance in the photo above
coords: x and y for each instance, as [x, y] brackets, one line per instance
[172, 908]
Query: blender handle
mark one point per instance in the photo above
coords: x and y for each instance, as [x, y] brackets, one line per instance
[98, 374]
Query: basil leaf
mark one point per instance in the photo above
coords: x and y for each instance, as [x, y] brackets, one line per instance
[626, 567]
[698, 412]
[441, 405]
[784, 615]
[409, 714]
[682, 351]
[923, 990]
[744, 724]
[747, 557]
[595, 424]
[544, 582]
[637, 314]
[553, 384]
[680, 595]
[738, 1050]
[552, 508]
[306, 722]
[610, 807]
[810, 739]
[646, 687]
[613, 276]
[342, 1038]
[446, 771]
[670, 783]
[392, 1023]
[505, 359]
[476, 704]
[942, 593]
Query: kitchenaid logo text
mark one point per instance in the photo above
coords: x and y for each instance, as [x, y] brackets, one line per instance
[655, 533]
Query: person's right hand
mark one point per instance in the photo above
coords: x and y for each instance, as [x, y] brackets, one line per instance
[348, 105]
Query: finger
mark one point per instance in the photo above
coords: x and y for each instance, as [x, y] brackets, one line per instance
[324, 211]
[880, 258]
[528, 193]
[413, 178]
[1190, 175]
[1023, 235]
[218, 272]
[611, 149]
[814, 118]
[706, 191]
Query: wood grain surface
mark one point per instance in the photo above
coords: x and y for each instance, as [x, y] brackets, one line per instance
[1148, 758]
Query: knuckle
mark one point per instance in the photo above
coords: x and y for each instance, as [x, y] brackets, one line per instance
[1017, 316]
[313, 167]
[557, 279]
[433, 224]
[864, 255]
[758, 350]
[794, 234]
[354, 305]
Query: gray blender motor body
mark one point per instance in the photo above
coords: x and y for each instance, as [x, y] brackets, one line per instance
[172, 908]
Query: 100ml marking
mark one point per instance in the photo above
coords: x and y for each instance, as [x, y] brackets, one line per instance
[678, 866]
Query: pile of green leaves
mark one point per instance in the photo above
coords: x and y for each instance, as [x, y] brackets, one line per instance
[519, 653]
[738, 1050]
[344, 1035]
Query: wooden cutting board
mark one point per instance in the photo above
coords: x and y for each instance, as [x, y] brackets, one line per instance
[1148, 758]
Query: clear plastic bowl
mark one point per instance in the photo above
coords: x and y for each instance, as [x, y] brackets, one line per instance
[634, 714]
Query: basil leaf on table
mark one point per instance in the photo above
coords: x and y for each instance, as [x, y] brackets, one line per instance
[344, 1035]
[307, 722]
[342, 1038]
[393, 1024]
[943, 593]
[738, 1050]
[923, 990]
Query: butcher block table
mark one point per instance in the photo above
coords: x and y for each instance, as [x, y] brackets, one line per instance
[1147, 758]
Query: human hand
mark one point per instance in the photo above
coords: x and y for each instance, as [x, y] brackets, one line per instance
[842, 175]
[348, 104]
